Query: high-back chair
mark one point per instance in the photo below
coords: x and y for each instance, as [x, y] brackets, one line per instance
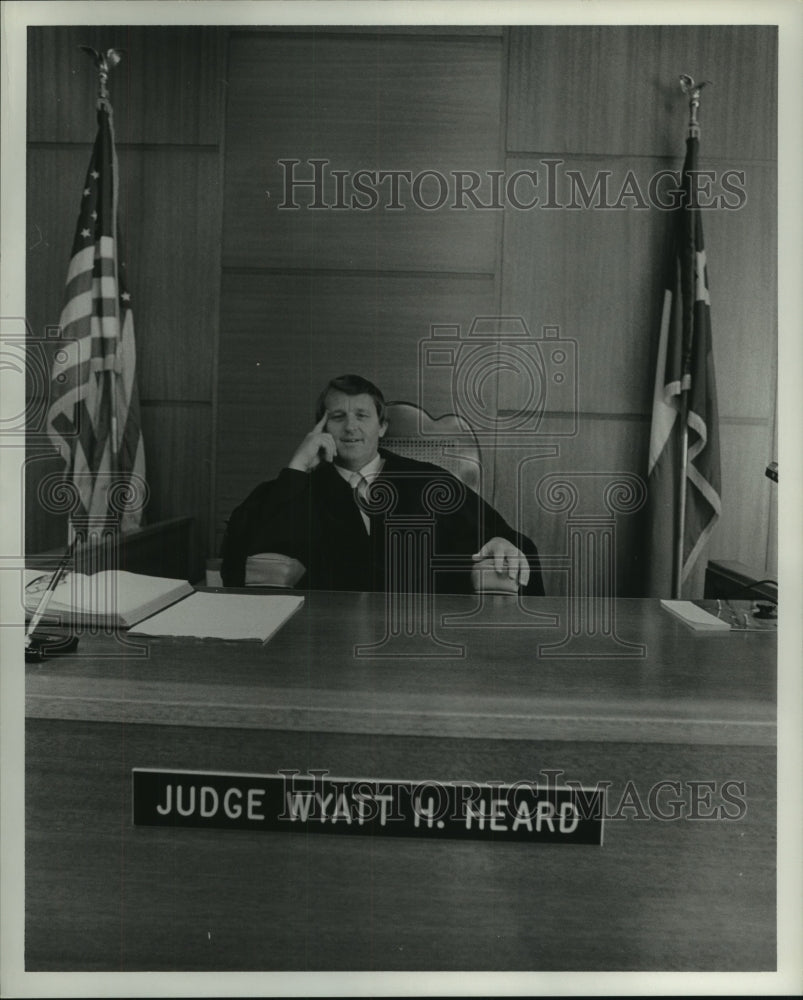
[450, 442]
[447, 441]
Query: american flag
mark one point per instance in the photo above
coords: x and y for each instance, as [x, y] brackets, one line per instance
[93, 419]
[685, 363]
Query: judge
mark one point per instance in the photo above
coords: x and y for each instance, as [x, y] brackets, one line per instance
[326, 511]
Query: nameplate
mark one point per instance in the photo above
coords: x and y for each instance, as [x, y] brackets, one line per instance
[293, 802]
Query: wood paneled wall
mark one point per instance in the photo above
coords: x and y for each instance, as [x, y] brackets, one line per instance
[608, 99]
[243, 309]
[167, 98]
[309, 293]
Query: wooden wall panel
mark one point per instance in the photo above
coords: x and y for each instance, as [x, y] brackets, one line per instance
[375, 103]
[284, 336]
[55, 178]
[601, 450]
[167, 89]
[310, 294]
[620, 446]
[612, 90]
[747, 494]
[171, 220]
[595, 273]
[179, 469]
[599, 275]
[741, 250]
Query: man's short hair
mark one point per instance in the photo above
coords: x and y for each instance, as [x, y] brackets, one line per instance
[351, 385]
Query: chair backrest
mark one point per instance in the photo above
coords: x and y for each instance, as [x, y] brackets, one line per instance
[448, 441]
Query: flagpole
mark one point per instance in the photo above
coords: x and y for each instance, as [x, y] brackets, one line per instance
[103, 96]
[684, 465]
[689, 87]
[105, 62]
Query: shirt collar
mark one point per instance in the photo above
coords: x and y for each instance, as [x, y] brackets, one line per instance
[369, 471]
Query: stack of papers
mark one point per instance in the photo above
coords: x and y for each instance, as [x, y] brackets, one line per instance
[223, 616]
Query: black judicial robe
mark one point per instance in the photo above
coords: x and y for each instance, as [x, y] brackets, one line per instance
[314, 517]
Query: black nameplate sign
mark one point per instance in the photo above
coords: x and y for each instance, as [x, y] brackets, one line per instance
[292, 802]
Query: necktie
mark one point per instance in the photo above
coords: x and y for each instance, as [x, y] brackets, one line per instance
[360, 486]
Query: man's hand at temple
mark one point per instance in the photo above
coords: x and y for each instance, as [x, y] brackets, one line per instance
[499, 565]
[316, 445]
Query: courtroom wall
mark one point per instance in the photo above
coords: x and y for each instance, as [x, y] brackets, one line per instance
[312, 291]
[244, 307]
[608, 99]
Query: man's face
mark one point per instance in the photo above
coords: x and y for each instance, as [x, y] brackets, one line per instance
[355, 426]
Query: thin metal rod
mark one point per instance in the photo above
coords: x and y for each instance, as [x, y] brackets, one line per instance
[692, 89]
[680, 538]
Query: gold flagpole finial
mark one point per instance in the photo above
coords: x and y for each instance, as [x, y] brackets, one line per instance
[688, 86]
[104, 63]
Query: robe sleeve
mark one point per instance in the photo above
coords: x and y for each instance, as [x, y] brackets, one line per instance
[273, 518]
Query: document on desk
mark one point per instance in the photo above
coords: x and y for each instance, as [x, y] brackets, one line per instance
[721, 616]
[223, 616]
[696, 617]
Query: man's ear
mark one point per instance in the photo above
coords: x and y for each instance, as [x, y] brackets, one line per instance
[382, 428]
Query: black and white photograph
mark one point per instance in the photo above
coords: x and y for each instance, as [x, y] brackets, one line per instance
[400, 595]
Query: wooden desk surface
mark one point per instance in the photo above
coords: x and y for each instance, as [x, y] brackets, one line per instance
[686, 687]
[680, 894]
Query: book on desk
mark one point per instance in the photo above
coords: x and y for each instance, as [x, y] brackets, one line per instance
[158, 606]
[109, 597]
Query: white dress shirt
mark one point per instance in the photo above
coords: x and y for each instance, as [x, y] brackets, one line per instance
[361, 480]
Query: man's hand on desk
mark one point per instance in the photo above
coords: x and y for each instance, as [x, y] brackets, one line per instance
[316, 445]
[500, 566]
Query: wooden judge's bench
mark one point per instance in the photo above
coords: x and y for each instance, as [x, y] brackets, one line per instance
[677, 728]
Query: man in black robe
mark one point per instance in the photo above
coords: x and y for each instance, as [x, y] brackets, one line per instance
[358, 517]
